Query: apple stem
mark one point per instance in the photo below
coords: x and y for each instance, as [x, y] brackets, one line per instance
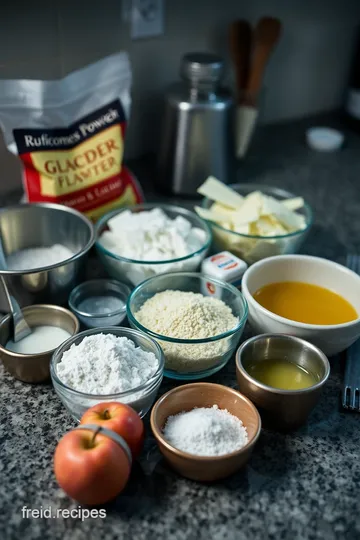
[106, 414]
[92, 442]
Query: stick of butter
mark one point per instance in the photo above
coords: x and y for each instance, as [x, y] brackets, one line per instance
[219, 192]
[219, 216]
[293, 204]
[272, 207]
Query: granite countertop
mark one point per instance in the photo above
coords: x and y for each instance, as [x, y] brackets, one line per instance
[303, 485]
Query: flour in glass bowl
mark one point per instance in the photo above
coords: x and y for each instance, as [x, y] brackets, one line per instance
[106, 364]
[38, 257]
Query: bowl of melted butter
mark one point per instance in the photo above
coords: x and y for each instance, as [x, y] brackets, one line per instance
[310, 297]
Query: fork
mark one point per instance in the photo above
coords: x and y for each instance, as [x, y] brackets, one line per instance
[351, 389]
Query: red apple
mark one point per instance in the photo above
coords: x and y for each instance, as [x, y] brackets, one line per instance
[119, 418]
[90, 467]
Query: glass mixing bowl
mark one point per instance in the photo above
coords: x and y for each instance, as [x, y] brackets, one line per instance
[211, 353]
[99, 314]
[140, 398]
[136, 271]
[252, 248]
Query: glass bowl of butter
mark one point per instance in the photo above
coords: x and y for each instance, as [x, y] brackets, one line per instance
[254, 221]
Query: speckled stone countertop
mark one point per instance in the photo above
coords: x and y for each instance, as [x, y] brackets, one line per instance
[301, 486]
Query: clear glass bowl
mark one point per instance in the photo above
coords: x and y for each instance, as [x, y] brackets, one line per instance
[99, 288]
[135, 271]
[140, 398]
[212, 353]
[252, 248]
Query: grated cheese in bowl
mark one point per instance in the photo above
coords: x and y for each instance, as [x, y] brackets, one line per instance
[254, 221]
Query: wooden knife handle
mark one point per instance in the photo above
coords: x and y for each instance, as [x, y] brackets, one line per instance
[266, 35]
[240, 36]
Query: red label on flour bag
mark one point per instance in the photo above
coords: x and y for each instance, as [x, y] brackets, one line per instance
[76, 163]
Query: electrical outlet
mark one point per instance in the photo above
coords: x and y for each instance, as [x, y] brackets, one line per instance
[147, 18]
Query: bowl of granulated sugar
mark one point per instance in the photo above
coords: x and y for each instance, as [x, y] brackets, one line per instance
[107, 364]
[205, 431]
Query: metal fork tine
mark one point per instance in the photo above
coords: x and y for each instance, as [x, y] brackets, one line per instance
[351, 391]
[355, 400]
[351, 262]
[346, 397]
[354, 265]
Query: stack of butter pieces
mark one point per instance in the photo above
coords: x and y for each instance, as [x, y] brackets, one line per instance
[256, 215]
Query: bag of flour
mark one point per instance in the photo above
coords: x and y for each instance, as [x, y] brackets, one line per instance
[69, 135]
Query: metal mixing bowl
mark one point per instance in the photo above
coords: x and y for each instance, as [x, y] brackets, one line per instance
[34, 368]
[281, 409]
[38, 225]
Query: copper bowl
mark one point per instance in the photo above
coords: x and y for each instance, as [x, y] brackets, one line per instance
[34, 368]
[187, 397]
[280, 409]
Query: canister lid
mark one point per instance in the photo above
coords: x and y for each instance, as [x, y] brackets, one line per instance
[202, 67]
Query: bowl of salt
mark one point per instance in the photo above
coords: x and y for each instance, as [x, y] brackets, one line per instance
[99, 302]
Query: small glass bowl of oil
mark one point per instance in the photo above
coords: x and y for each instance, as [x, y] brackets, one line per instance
[283, 375]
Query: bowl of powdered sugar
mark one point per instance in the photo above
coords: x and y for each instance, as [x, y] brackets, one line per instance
[107, 364]
[197, 320]
[205, 431]
[142, 241]
[45, 248]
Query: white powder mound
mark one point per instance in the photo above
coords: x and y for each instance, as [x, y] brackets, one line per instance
[106, 364]
[27, 259]
[188, 315]
[206, 432]
[151, 236]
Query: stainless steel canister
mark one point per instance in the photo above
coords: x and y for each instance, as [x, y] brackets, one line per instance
[197, 137]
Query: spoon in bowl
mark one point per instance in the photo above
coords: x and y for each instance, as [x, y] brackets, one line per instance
[21, 327]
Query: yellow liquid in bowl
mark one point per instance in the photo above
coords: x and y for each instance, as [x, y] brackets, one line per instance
[306, 303]
[281, 374]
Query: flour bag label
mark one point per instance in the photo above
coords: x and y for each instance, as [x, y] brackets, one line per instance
[69, 135]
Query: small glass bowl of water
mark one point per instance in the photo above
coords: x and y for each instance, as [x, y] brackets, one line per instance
[99, 302]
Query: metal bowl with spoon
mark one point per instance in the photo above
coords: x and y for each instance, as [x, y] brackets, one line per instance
[21, 327]
[29, 367]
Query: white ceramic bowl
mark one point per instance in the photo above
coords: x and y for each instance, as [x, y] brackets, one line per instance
[331, 339]
[324, 139]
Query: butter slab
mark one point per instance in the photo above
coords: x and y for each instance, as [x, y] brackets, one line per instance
[219, 192]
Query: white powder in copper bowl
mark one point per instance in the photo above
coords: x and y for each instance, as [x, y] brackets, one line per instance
[206, 432]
